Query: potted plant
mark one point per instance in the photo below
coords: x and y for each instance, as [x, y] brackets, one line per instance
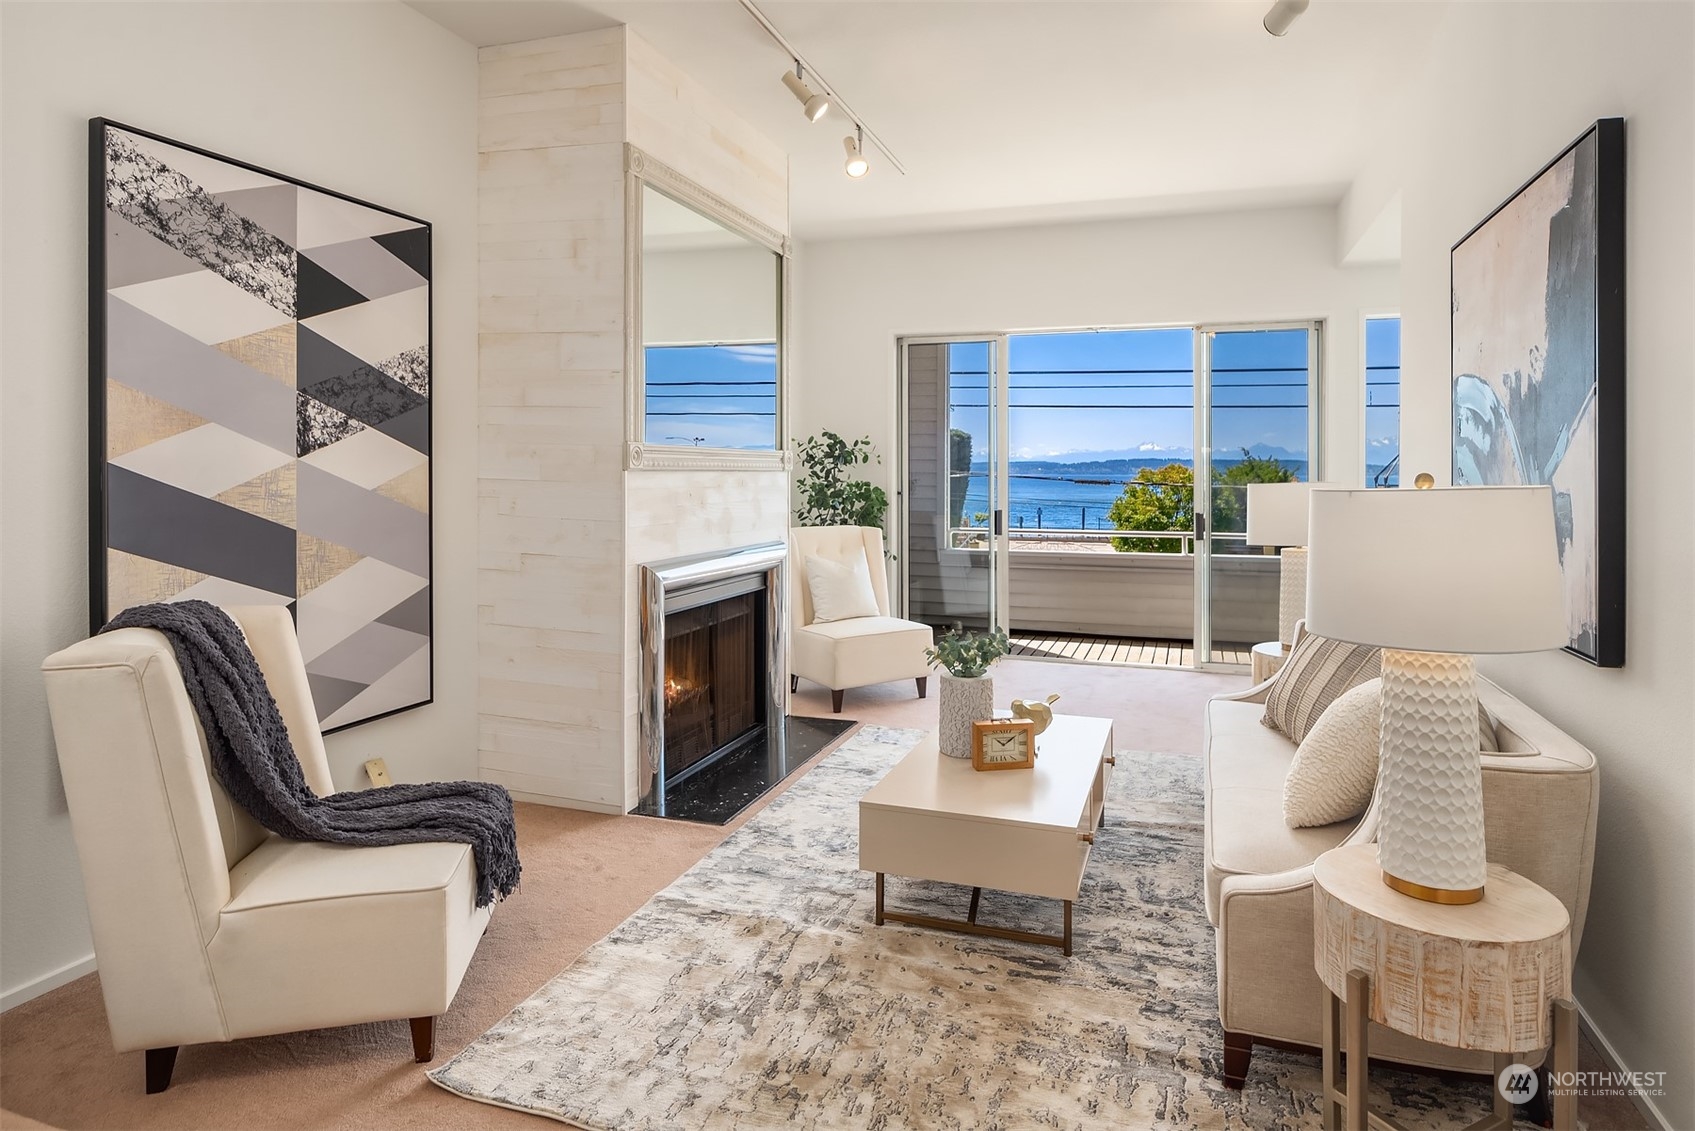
[968, 691]
[828, 497]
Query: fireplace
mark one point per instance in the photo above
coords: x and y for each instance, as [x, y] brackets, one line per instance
[712, 658]
[714, 697]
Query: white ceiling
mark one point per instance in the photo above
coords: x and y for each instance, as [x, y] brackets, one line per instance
[1022, 111]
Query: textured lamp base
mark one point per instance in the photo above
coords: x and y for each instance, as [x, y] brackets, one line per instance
[1291, 593]
[1430, 841]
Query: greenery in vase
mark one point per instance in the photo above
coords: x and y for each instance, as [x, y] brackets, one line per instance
[967, 655]
[828, 496]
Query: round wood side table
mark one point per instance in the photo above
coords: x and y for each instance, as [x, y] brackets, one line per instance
[1267, 660]
[1493, 975]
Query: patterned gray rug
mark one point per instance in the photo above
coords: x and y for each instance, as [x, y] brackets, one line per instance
[755, 992]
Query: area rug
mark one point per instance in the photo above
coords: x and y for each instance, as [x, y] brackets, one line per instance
[755, 992]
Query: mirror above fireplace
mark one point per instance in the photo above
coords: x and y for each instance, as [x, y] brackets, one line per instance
[706, 351]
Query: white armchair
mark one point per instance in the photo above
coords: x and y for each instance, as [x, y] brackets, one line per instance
[859, 651]
[208, 928]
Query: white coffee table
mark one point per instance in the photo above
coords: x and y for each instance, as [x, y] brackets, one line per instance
[1027, 831]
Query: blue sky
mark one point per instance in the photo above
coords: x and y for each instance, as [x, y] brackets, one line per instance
[1129, 393]
[712, 396]
[1100, 394]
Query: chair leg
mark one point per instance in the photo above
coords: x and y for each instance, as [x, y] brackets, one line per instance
[923, 686]
[160, 1064]
[423, 1039]
[794, 684]
[1238, 1051]
[836, 701]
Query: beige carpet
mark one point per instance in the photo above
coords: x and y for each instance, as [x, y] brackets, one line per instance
[583, 875]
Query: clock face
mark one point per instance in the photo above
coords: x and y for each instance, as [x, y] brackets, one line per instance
[998, 748]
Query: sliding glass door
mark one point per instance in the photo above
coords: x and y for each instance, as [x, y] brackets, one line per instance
[1086, 490]
[953, 492]
[1255, 392]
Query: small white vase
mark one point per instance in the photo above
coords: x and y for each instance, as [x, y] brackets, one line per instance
[963, 702]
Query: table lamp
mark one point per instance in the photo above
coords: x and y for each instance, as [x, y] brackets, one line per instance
[1432, 576]
[1277, 516]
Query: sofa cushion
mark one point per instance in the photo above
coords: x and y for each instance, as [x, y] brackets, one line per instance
[321, 934]
[1335, 766]
[1334, 772]
[861, 651]
[1317, 671]
[1246, 764]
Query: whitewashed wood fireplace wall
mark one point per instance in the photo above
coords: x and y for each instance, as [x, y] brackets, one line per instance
[562, 525]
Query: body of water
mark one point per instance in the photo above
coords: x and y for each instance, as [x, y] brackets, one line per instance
[1057, 500]
[1043, 503]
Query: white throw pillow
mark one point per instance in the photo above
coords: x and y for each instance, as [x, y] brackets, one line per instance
[840, 590]
[1335, 766]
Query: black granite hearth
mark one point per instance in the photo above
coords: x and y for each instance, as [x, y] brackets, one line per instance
[716, 794]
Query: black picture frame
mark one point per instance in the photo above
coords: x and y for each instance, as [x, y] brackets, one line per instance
[411, 241]
[1509, 427]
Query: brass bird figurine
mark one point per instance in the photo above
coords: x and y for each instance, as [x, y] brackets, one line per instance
[1040, 713]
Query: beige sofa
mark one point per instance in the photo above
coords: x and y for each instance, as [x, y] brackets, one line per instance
[1539, 798]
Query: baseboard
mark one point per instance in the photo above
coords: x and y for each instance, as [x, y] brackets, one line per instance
[1644, 1104]
[52, 981]
[565, 802]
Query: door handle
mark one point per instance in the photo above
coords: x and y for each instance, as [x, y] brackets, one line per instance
[1200, 525]
[1000, 523]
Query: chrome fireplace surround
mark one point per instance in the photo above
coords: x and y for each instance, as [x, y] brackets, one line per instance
[678, 585]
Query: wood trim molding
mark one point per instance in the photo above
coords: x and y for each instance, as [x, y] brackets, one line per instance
[641, 168]
[648, 457]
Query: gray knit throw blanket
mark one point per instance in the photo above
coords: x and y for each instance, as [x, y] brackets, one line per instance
[256, 764]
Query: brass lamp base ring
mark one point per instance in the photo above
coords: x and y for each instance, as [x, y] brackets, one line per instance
[1451, 896]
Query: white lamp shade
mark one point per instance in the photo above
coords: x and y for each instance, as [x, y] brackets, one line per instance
[1277, 514]
[1458, 569]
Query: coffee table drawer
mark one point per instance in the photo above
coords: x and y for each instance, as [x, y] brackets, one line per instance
[1044, 862]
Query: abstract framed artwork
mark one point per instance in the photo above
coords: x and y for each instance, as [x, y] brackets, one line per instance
[259, 366]
[1539, 368]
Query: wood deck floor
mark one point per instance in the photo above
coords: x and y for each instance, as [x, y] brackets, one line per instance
[1121, 650]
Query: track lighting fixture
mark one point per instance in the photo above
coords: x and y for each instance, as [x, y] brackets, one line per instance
[826, 98]
[856, 164]
[1283, 14]
[814, 106]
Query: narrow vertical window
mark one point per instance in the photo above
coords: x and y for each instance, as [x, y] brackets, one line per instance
[1383, 402]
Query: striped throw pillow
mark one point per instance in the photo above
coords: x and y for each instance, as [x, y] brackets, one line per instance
[1316, 673]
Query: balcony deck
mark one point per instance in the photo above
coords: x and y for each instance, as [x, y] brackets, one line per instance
[1121, 649]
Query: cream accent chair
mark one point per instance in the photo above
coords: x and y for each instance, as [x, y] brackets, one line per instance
[1540, 795]
[856, 652]
[208, 928]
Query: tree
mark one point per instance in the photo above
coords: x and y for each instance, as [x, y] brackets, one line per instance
[1159, 498]
[1230, 494]
[959, 474]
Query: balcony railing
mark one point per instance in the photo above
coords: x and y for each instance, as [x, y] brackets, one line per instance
[975, 538]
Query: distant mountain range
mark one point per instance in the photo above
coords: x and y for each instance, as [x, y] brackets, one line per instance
[1125, 463]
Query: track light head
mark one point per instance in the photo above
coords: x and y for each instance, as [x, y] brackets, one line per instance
[856, 165]
[1283, 14]
[814, 106]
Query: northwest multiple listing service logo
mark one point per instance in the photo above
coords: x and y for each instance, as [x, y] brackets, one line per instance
[1519, 1083]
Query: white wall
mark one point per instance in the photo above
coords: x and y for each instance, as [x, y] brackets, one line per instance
[563, 525]
[371, 99]
[856, 298]
[1474, 130]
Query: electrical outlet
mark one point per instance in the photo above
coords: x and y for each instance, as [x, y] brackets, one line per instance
[377, 770]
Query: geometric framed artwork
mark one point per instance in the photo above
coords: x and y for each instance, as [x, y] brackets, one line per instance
[259, 424]
[1537, 302]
